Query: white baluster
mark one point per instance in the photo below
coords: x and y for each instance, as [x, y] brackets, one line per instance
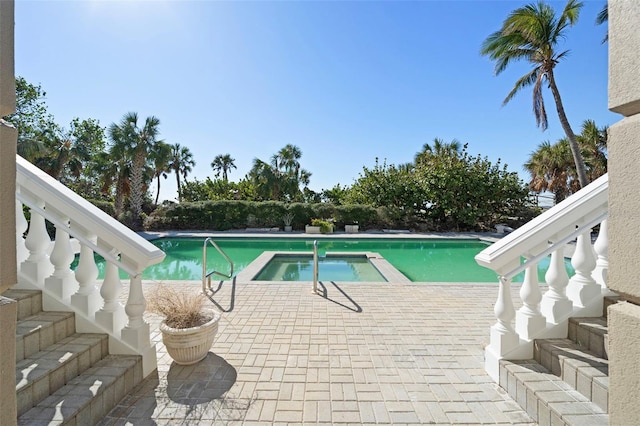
[503, 336]
[62, 283]
[37, 266]
[582, 288]
[87, 298]
[21, 227]
[555, 305]
[136, 333]
[601, 247]
[111, 316]
[529, 320]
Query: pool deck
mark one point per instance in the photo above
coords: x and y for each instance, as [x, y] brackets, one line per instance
[357, 353]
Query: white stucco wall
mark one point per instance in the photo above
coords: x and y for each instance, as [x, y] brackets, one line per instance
[624, 211]
[8, 408]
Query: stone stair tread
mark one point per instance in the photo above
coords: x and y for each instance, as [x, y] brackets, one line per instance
[89, 396]
[29, 301]
[595, 324]
[60, 354]
[40, 320]
[48, 370]
[591, 333]
[41, 330]
[582, 370]
[546, 397]
[567, 348]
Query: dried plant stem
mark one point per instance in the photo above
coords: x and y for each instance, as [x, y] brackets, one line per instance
[181, 309]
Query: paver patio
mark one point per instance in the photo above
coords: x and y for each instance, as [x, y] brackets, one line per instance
[357, 354]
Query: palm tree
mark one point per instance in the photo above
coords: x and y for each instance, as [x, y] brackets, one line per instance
[601, 18]
[137, 143]
[280, 179]
[69, 152]
[532, 33]
[287, 159]
[266, 179]
[223, 163]
[286, 162]
[440, 148]
[181, 163]
[160, 156]
[552, 169]
[593, 143]
[114, 168]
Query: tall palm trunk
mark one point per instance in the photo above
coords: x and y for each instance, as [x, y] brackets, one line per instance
[573, 141]
[118, 203]
[136, 196]
[158, 193]
[178, 184]
[59, 164]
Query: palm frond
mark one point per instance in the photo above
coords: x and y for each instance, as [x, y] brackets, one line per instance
[524, 81]
[539, 110]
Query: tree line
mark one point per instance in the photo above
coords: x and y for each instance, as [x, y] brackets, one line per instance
[443, 187]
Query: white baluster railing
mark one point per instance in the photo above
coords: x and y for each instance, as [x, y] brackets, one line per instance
[601, 247]
[547, 315]
[46, 266]
[555, 304]
[86, 299]
[21, 227]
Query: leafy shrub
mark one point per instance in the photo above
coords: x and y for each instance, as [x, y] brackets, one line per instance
[326, 227]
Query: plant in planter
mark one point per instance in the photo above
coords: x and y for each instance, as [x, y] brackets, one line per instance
[287, 218]
[326, 227]
[189, 327]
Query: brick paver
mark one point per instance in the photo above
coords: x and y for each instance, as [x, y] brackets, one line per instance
[357, 354]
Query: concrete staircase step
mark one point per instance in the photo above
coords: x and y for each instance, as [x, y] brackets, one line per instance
[46, 371]
[610, 300]
[591, 334]
[580, 369]
[36, 332]
[29, 301]
[546, 397]
[86, 399]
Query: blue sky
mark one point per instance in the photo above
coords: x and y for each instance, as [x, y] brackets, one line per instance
[345, 81]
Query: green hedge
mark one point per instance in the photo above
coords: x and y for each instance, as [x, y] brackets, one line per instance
[226, 215]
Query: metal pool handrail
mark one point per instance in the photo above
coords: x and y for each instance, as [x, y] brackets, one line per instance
[206, 276]
[315, 266]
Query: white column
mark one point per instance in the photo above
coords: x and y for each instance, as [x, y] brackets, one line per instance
[37, 266]
[136, 333]
[582, 288]
[61, 283]
[601, 247]
[529, 320]
[111, 316]
[87, 299]
[503, 336]
[21, 227]
[555, 305]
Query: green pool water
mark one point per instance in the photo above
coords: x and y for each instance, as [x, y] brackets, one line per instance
[420, 260]
[300, 268]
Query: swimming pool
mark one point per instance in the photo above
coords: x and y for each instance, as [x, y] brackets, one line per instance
[420, 260]
[296, 267]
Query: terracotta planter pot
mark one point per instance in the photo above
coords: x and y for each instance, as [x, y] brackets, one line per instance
[189, 345]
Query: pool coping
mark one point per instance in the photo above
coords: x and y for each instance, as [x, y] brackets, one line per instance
[386, 269]
[482, 236]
